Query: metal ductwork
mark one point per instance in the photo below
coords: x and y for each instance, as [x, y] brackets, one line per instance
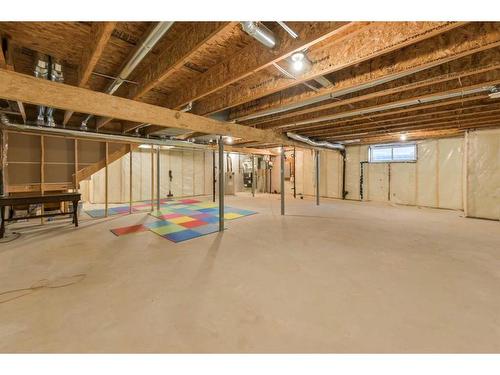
[321, 144]
[4, 120]
[56, 75]
[260, 33]
[41, 71]
[47, 69]
[147, 45]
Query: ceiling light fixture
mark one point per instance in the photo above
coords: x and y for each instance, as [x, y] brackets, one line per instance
[229, 140]
[300, 63]
[403, 137]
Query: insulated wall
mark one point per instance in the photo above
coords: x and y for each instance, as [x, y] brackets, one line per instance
[330, 178]
[191, 175]
[482, 180]
[434, 180]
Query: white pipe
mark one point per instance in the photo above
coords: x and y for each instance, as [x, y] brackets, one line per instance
[288, 29]
[309, 141]
[260, 33]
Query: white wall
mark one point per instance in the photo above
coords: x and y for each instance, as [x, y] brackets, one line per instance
[191, 172]
[435, 180]
[482, 179]
[330, 185]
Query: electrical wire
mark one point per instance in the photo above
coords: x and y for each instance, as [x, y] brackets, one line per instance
[41, 284]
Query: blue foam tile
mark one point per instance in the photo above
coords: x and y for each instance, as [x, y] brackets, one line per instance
[210, 219]
[184, 211]
[157, 224]
[209, 210]
[207, 229]
[242, 211]
[182, 235]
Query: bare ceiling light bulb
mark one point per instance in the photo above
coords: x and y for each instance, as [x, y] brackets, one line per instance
[229, 140]
[403, 137]
[300, 62]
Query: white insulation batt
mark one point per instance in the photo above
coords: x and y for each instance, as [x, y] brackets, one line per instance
[330, 183]
[191, 175]
[483, 174]
[435, 180]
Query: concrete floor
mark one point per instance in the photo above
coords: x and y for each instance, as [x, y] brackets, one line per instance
[342, 277]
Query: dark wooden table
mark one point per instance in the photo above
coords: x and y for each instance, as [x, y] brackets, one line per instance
[28, 199]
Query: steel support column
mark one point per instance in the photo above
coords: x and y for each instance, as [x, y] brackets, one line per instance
[253, 175]
[282, 178]
[158, 178]
[317, 177]
[214, 179]
[221, 184]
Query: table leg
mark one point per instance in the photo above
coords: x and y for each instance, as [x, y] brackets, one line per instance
[75, 213]
[2, 228]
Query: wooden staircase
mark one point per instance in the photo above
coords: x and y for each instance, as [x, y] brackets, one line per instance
[85, 173]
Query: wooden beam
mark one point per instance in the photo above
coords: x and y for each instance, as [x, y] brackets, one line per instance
[437, 127]
[8, 63]
[431, 88]
[256, 57]
[430, 123]
[16, 86]
[409, 98]
[177, 54]
[450, 46]
[377, 39]
[454, 71]
[455, 112]
[392, 113]
[99, 34]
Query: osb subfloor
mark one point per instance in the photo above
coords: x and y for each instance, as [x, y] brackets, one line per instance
[342, 277]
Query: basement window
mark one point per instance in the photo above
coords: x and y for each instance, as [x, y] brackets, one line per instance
[393, 153]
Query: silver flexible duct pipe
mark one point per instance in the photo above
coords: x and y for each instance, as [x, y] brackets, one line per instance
[141, 52]
[56, 75]
[260, 33]
[322, 144]
[41, 71]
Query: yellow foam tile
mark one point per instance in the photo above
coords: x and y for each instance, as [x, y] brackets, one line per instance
[181, 219]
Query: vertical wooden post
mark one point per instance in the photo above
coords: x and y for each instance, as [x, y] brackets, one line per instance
[106, 182]
[130, 180]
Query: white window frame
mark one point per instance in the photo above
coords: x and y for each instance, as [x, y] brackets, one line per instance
[392, 146]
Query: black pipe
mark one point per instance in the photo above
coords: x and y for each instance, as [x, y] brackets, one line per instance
[361, 177]
[343, 154]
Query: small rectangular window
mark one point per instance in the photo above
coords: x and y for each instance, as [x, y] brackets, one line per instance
[393, 153]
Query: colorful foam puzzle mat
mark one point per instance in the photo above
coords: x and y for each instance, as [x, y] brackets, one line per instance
[185, 219]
